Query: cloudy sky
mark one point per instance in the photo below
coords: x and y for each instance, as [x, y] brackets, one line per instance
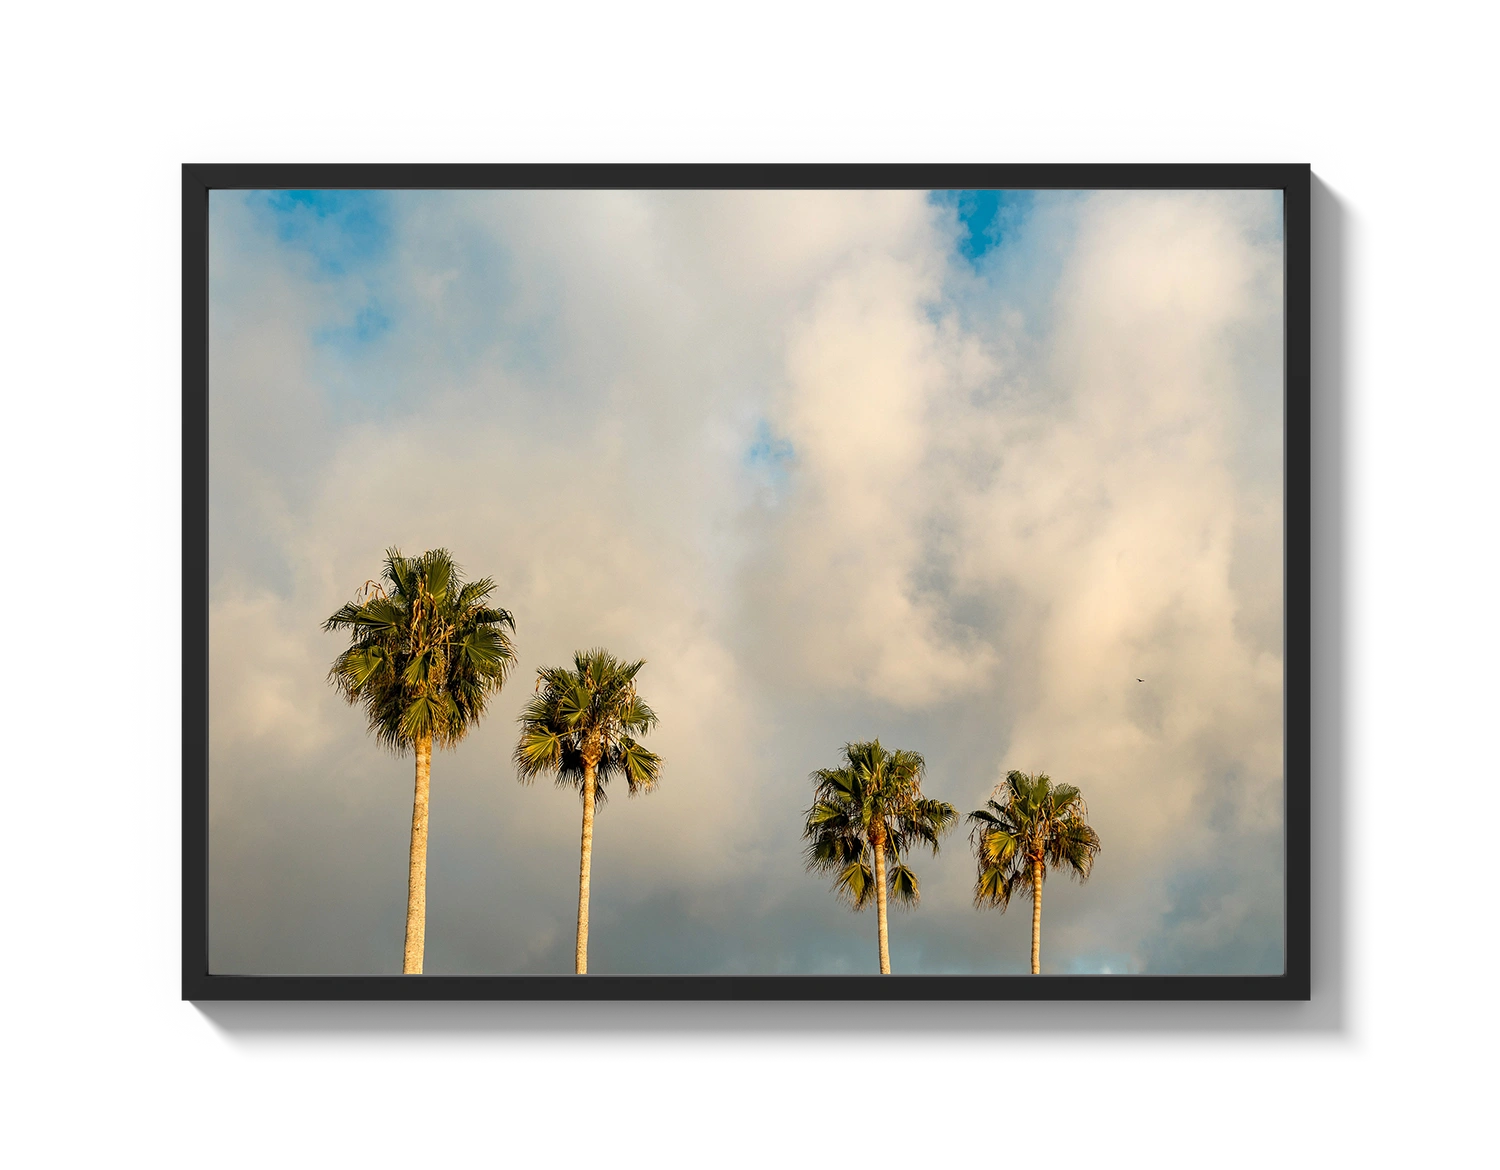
[953, 469]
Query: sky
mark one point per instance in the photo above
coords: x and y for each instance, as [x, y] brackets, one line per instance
[950, 469]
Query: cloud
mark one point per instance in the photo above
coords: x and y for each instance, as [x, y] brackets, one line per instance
[832, 477]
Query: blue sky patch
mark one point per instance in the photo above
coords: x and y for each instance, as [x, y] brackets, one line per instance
[341, 230]
[368, 324]
[985, 217]
[769, 454]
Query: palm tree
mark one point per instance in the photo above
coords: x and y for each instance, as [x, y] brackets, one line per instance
[581, 729]
[426, 652]
[1033, 824]
[870, 807]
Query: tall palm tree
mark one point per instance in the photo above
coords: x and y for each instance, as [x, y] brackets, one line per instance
[870, 808]
[1032, 825]
[581, 728]
[426, 652]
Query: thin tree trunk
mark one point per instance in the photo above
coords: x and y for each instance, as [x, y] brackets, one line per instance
[1036, 917]
[416, 873]
[885, 946]
[585, 860]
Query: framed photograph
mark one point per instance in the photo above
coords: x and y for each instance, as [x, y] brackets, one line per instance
[759, 582]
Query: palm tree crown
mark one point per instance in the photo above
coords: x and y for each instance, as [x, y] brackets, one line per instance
[875, 796]
[586, 719]
[867, 809]
[1033, 821]
[426, 651]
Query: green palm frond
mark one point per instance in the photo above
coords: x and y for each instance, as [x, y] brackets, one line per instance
[835, 841]
[923, 821]
[1074, 847]
[840, 780]
[437, 577]
[399, 573]
[540, 750]
[419, 718]
[640, 766]
[993, 887]
[904, 891]
[573, 703]
[995, 842]
[825, 813]
[637, 717]
[356, 666]
[855, 884]
[1066, 802]
[483, 650]
[472, 595]
[418, 670]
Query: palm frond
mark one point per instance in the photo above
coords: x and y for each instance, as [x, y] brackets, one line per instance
[987, 816]
[903, 883]
[640, 766]
[438, 571]
[825, 813]
[470, 595]
[855, 884]
[573, 703]
[399, 573]
[489, 615]
[419, 719]
[993, 887]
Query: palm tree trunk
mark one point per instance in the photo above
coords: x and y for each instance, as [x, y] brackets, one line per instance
[885, 946]
[416, 872]
[1036, 917]
[585, 860]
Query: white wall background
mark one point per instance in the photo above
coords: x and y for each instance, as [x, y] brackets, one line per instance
[83, 90]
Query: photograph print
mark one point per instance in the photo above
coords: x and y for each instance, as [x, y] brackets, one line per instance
[612, 581]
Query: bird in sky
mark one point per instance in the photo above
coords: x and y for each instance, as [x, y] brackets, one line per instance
[1140, 680]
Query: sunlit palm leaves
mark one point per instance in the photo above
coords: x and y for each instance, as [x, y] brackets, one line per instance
[589, 711]
[426, 650]
[1029, 819]
[877, 794]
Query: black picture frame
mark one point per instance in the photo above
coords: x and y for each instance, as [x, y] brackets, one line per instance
[1329, 350]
